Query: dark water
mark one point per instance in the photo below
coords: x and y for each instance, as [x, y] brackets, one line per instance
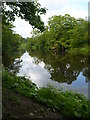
[61, 71]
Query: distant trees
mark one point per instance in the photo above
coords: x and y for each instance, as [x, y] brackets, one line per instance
[62, 32]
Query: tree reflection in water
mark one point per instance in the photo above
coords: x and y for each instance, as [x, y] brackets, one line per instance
[64, 68]
[61, 71]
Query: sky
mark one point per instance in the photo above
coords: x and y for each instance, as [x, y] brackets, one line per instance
[76, 8]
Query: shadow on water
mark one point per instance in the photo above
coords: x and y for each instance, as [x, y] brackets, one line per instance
[62, 71]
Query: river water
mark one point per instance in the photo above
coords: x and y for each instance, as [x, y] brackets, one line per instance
[64, 72]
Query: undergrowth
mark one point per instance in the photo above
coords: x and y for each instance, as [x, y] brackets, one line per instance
[70, 104]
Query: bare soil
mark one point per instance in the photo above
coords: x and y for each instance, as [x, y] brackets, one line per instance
[17, 106]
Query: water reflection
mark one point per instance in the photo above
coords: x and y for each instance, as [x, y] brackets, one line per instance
[62, 72]
[34, 70]
[9, 59]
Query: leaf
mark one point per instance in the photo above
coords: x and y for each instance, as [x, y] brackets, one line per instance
[77, 114]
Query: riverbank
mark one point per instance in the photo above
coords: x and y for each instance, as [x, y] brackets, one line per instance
[18, 106]
[67, 104]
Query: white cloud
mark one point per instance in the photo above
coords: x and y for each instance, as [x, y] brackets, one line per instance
[82, 1]
[22, 27]
[77, 13]
[61, 7]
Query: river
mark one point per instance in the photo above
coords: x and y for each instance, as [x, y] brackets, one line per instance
[64, 72]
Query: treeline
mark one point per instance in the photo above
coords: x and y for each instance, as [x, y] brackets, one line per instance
[61, 33]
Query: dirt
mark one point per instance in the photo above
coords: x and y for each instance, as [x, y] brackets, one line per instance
[17, 106]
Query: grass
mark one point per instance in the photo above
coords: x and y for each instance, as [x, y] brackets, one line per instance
[70, 104]
[18, 84]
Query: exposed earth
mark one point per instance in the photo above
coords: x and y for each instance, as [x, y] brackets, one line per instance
[17, 106]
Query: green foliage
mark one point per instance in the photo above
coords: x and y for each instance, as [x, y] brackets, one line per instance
[78, 51]
[30, 11]
[61, 34]
[10, 42]
[20, 85]
[13, 43]
[80, 34]
[70, 104]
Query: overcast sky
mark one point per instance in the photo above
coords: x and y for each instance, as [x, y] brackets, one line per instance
[76, 8]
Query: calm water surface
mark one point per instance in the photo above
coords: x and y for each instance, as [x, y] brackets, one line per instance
[62, 72]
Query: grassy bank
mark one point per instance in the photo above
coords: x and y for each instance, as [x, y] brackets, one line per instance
[70, 104]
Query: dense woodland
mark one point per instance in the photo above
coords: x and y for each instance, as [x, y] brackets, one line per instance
[63, 34]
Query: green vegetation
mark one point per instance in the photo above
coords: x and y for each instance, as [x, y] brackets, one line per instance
[19, 84]
[30, 11]
[78, 51]
[62, 33]
[70, 104]
[12, 43]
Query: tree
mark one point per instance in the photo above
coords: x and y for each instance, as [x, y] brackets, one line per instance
[80, 34]
[62, 25]
[10, 43]
[30, 11]
[62, 33]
